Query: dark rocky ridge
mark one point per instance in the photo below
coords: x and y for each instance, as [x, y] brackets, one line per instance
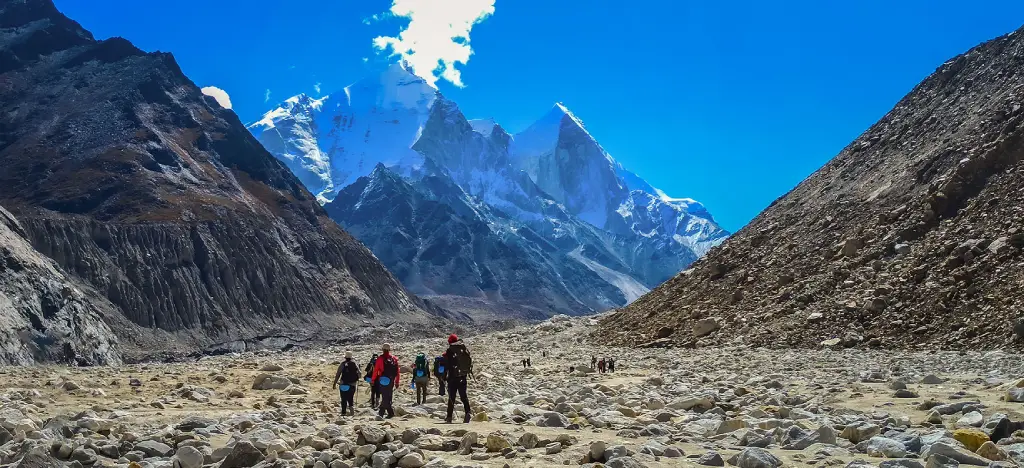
[910, 237]
[124, 173]
[439, 244]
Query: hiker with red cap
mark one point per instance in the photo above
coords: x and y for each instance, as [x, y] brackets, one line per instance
[458, 367]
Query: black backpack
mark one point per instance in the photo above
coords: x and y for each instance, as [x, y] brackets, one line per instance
[390, 367]
[460, 361]
[349, 372]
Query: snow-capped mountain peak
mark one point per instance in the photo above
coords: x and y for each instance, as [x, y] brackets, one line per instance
[408, 174]
[331, 141]
[483, 126]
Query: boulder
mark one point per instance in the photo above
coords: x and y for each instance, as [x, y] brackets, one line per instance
[753, 457]
[705, 327]
[961, 455]
[884, 447]
[411, 460]
[188, 457]
[373, 434]
[154, 448]
[498, 441]
[971, 438]
[242, 455]
[270, 382]
[711, 458]
[991, 451]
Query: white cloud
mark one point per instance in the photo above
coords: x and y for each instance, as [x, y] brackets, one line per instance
[316, 88]
[266, 96]
[219, 94]
[437, 36]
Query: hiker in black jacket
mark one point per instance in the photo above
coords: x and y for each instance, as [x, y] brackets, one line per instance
[348, 374]
[459, 367]
[374, 391]
[439, 372]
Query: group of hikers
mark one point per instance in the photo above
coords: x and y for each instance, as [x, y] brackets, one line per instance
[606, 364]
[383, 374]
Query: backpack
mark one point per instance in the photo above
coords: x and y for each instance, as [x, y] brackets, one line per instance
[420, 370]
[439, 366]
[390, 367]
[460, 361]
[349, 372]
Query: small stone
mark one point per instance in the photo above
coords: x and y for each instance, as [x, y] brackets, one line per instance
[552, 448]
[932, 379]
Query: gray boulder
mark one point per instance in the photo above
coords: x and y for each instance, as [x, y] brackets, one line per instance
[753, 457]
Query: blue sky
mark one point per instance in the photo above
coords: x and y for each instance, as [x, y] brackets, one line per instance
[731, 103]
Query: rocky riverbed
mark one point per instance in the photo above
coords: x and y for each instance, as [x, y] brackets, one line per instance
[745, 407]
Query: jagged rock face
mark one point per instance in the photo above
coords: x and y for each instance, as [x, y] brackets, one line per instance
[438, 242]
[568, 163]
[46, 315]
[125, 174]
[911, 236]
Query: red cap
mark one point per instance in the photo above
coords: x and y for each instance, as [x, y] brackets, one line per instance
[452, 338]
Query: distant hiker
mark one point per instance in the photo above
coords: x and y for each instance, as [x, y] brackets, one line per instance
[348, 374]
[439, 373]
[459, 367]
[421, 378]
[593, 362]
[528, 363]
[600, 365]
[523, 362]
[611, 364]
[386, 376]
[544, 353]
[374, 392]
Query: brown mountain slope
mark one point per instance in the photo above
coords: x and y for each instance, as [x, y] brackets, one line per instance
[911, 236]
[122, 171]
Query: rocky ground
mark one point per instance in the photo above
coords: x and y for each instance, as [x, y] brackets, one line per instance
[745, 407]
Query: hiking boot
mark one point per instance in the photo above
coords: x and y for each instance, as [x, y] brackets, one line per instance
[466, 419]
[448, 420]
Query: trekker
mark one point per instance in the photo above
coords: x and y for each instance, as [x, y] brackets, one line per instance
[421, 378]
[386, 376]
[348, 374]
[460, 366]
[523, 362]
[374, 391]
[528, 363]
[600, 365]
[439, 373]
[611, 364]
[593, 362]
